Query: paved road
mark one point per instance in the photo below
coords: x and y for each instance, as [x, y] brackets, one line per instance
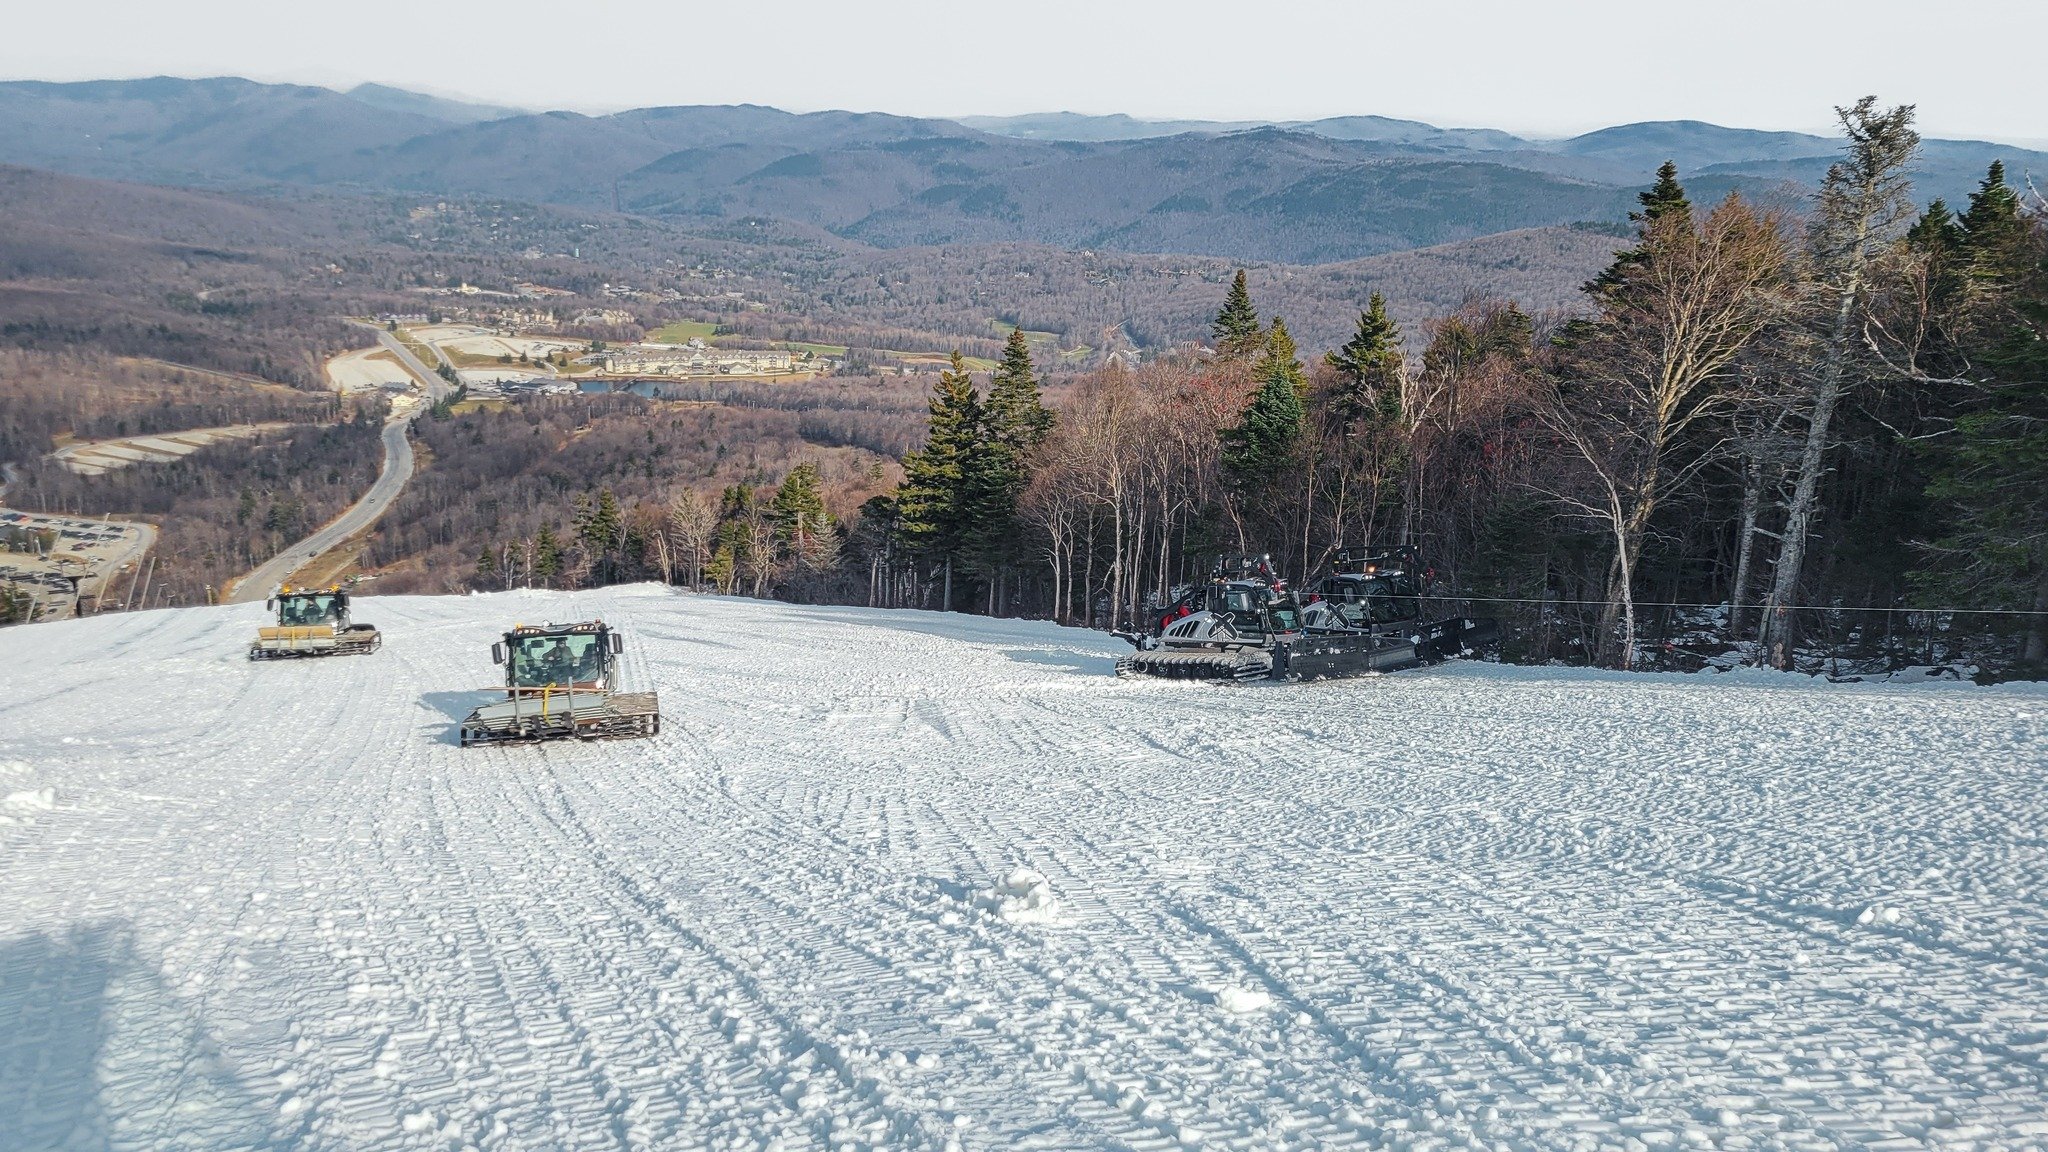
[127, 563]
[398, 465]
[398, 462]
[436, 387]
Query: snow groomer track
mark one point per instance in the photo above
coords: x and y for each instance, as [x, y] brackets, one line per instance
[903, 880]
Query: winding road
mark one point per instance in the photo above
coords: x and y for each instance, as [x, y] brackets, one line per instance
[398, 466]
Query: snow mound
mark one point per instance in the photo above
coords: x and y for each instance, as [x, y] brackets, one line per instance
[1243, 1001]
[30, 800]
[1023, 897]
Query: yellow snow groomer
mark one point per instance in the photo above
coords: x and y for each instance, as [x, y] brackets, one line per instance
[313, 622]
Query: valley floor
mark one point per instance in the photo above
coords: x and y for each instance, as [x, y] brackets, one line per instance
[1475, 906]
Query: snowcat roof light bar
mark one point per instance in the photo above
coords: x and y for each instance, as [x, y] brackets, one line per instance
[1367, 562]
[581, 628]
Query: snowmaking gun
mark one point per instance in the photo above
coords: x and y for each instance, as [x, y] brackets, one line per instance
[561, 682]
[1246, 624]
[313, 622]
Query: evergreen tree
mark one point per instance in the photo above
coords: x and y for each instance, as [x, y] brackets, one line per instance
[735, 502]
[1994, 232]
[1933, 314]
[1279, 356]
[798, 509]
[1368, 369]
[1236, 328]
[735, 511]
[487, 568]
[802, 534]
[1665, 197]
[1262, 446]
[1015, 421]
[547, 554]
[937, 479]
[1938, 240]
[1994, 469]
[15, 605]
[600, 530]
[1936, 230]
[1016, 415]
[723, 570]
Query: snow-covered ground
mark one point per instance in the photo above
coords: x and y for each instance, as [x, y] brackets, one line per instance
[99, 457]
[536, 347]
[483, 342]
[365, 370]
[908, 881]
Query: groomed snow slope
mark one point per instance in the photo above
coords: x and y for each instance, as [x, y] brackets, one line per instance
[275, 905]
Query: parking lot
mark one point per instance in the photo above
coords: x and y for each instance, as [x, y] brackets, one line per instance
[40, 554]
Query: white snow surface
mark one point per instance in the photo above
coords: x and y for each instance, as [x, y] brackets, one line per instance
[274, 905]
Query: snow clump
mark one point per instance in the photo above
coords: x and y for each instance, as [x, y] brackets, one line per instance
[1243, 1001]
[20, 805]
[1024, 897]
[1883, 914]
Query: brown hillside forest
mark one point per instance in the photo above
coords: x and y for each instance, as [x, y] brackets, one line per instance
[1810, 433]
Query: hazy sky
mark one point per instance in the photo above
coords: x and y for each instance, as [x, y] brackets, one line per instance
[1524, 65]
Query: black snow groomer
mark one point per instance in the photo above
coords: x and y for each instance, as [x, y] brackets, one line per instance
[1236, 627]
[1245, 624]
[1366, 616]
[562, 682]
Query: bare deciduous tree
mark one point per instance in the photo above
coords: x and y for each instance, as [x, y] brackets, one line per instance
[1646, 373]
[691, 523]
[1864, 200]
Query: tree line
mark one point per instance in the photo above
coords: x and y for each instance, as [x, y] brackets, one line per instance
[1759, 436]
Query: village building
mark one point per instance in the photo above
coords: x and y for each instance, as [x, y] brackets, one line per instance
[695, 358]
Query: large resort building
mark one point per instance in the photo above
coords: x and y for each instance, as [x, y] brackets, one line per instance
[694, 359]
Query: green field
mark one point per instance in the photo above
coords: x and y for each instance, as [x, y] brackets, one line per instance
[1040, 343]
[683, 331]
[815, 349]
[973, 363]
[1043, 344]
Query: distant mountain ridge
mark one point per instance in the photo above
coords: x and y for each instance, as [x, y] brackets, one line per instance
[438, 107]
[1080, 127]
[1313, 192]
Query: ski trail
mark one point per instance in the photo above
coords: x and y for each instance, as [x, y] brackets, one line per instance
[271, 906]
